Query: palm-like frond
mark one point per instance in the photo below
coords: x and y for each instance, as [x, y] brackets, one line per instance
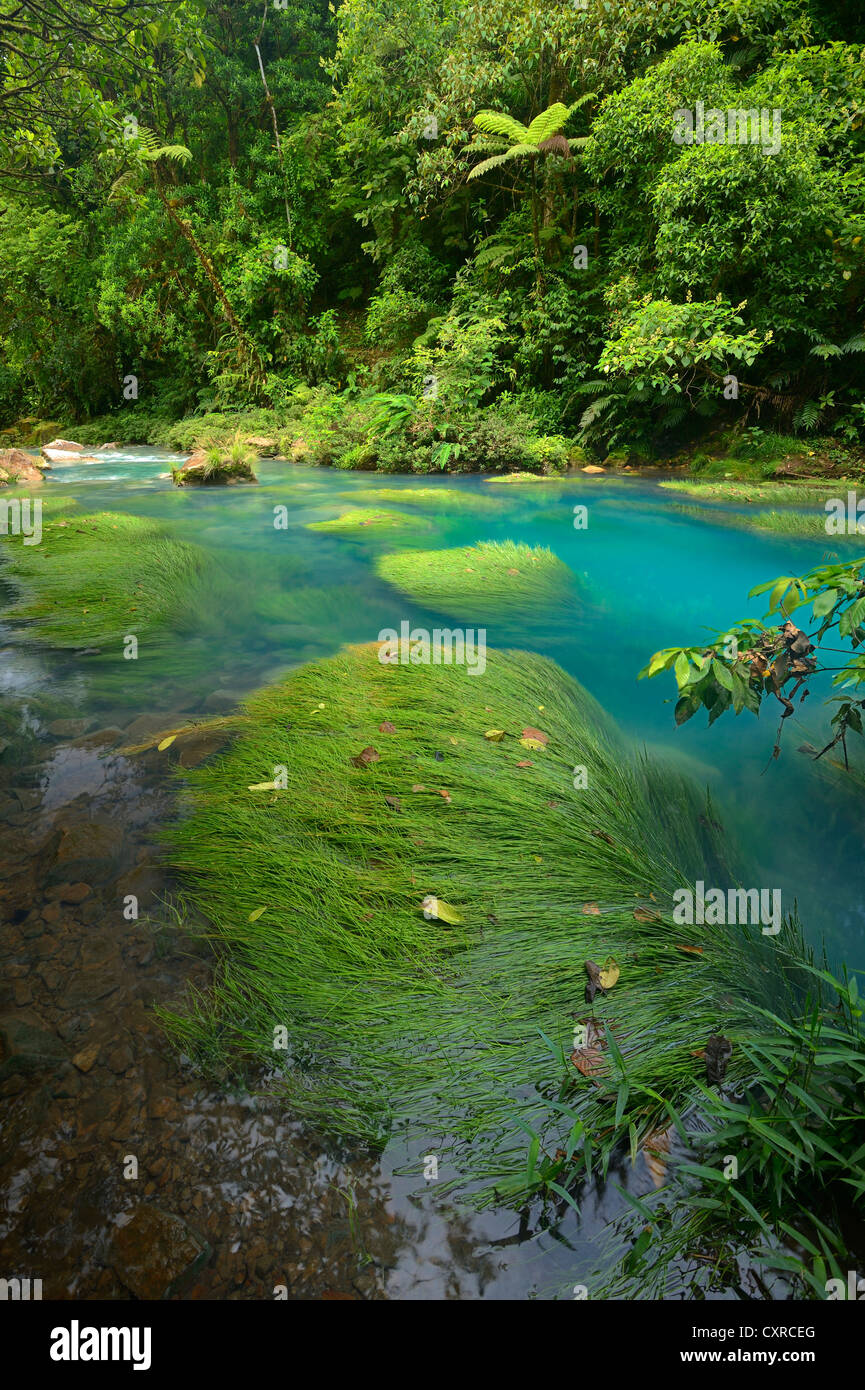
[547, 123]
[498, 123]
[147, 145]
[516, 151]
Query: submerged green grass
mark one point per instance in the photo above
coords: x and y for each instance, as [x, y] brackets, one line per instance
[803, 525]
[455, 1031]
[482, 582]
[360, 520]
[448, 498]
[736, 491]
[95, 579]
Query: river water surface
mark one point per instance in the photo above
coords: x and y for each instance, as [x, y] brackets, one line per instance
[275, 1203]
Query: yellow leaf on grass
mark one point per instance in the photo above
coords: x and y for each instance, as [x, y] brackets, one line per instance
[495, 735]
[259, 912]
[262, 787]
[440, 911]
[534, 744]
[609, 973]
[166, 743]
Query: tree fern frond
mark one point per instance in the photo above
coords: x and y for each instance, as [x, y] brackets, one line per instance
[854, 344]
[498, 159]
[498, 123]
[491, 146]
[547, 123]
[581, 101]
[595, 410]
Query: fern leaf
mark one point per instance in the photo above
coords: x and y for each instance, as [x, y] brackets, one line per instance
[498, 123]
[581, 101]
[498, 159]
[547, 123]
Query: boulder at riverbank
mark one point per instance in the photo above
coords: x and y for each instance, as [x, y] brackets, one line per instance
[18, 467]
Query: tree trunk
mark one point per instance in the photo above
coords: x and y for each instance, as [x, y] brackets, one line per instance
[243, 340]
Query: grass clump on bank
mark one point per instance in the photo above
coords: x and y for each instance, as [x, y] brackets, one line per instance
[485, 581]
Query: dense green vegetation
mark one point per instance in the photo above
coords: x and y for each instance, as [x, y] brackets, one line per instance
[432, 237]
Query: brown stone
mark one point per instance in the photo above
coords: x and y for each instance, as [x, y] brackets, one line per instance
[68, 728]
[86, 1058]
[156, 1254]
[70, 892]
[18, 467]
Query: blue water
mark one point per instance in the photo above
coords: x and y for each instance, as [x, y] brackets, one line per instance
[649, 577]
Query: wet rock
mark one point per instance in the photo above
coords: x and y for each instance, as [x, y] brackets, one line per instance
[83, 847]
[85, 1060]
[70, 892]
[156, 1254]
[69, 728]
[100, 738]
[18, 467]
[29, 799]
[195, 747]
[24, 1047]
[223, 699]
[141, 882]
[147, 724]
[62, 451]
[120, 1059]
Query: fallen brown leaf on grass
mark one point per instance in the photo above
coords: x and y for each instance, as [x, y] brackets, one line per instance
[691, 950]
[656, 1149]
[602, 835]
[387, 727]
[366, 756]
[418, 787]
[594, 985]
[645, 914]
[609, 973]
[718, 1051]
[587, 1057]
[591, 910]
[525, 762]
[394, 802]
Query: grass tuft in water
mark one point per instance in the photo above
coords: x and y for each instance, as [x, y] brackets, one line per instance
[374, 1018]
[496, 579]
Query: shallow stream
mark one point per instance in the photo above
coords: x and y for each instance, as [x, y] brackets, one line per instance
[275, 1203]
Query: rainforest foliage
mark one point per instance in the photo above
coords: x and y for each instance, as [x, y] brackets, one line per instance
[424, 210]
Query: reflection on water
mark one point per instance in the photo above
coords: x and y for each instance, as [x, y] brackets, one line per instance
[275, 1204]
